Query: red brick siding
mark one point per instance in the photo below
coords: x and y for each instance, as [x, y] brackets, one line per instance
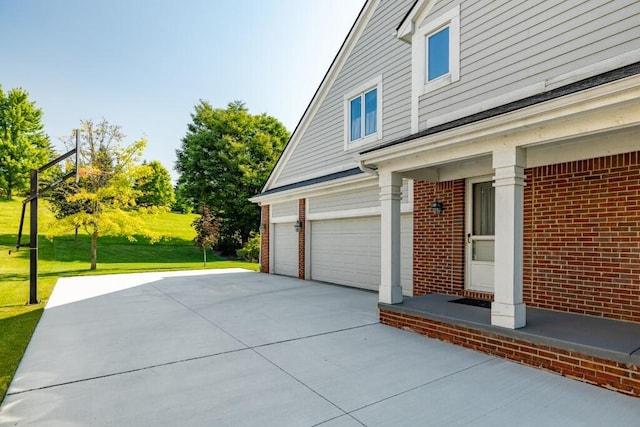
[438, 243]
[609, 374]
[264, 240]
[301, 239]
[582, 237]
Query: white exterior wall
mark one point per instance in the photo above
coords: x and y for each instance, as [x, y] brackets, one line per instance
[508, 46]
[377, 53]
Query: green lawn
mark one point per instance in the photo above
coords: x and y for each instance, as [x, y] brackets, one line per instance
[65, 257]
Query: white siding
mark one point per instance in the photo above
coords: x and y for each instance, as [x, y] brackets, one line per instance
[377, 53]
[284, 209]
[506, 46]
[354, 199]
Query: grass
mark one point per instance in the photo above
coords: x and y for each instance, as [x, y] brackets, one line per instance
[64, 256]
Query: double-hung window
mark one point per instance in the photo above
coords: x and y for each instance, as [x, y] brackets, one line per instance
[362, 114]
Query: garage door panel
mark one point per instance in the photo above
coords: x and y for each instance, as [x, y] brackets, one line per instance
[347, 252]
[285, 249]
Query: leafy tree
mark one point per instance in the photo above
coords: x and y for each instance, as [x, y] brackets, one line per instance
[207, 228]
[154, 184]
[23, 143]
[182, 204]
[225, 158]
[103, 200]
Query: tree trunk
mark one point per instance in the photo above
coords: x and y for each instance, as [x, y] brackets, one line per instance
[94, 250]
[9, 194]
[204, 256]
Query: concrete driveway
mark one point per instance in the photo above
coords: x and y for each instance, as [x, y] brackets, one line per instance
[233, 347]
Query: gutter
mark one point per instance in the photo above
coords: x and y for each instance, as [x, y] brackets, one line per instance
[367, 169]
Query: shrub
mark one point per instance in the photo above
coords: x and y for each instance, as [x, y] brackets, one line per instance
[251, 250]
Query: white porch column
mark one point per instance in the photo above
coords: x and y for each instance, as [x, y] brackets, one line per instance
[508, 309]
[390, 197]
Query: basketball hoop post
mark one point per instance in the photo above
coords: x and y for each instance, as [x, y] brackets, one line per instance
[33, 214]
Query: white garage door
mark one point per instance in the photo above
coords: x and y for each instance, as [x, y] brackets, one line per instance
[285, 249]
[347, 252]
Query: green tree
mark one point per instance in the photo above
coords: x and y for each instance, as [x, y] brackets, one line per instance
[225, 158]
[103, 201]
[154, 184]
[182, 204]
[23, 143]
[207, 228]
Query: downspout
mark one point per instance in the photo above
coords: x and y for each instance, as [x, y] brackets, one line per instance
[367, 169]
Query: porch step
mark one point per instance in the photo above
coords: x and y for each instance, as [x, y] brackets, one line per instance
[599, 351]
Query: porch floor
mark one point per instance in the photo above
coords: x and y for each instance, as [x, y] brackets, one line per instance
[603, 338]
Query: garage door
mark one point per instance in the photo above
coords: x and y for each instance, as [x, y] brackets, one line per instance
[285, 249]
[347, 252]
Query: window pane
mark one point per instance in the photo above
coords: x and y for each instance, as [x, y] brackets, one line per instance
[483, 250]
[438, 59]
[356, 118]
[484, 208]
[371, 112]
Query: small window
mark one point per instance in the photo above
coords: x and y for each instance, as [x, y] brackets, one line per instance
[362, 114]
[369, 125]
[437, 54]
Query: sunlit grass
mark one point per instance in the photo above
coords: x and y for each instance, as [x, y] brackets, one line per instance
[68, 256]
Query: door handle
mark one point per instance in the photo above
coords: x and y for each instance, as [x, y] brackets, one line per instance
[469, 238]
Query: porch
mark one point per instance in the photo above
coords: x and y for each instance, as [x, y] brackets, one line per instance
[595, 350]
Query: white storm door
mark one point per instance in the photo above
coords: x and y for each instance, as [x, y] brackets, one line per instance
[480, 224]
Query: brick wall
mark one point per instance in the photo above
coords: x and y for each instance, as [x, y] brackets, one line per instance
[264, 240]
[438, 243]
[613, 375]
[582, 237]
[301, 239]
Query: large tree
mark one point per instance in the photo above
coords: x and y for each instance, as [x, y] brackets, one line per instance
[154, 185]
[225, 158]
[23, 143]
[103, 201]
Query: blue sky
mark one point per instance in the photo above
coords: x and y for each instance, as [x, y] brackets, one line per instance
[145, 64]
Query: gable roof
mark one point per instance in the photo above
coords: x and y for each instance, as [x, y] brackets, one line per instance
[327, 82]
[408, 24]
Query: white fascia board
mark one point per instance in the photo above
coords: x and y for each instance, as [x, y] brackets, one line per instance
[320, 189]
[325, 86]
[526, 123]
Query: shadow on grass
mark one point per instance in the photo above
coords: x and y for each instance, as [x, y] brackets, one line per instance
[110, 250]
[15, 333]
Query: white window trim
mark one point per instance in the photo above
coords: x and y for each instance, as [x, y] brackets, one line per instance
[375, 83]
[450, 19]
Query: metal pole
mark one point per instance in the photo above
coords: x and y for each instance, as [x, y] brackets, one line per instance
[33, 240]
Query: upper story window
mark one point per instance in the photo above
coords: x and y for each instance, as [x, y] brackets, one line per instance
[439, 51]
[438, 54]
[364, 115]
[362, 111]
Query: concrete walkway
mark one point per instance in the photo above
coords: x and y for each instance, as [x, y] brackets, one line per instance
[233, 347]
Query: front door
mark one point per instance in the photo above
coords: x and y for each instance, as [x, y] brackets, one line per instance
[480, 224]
